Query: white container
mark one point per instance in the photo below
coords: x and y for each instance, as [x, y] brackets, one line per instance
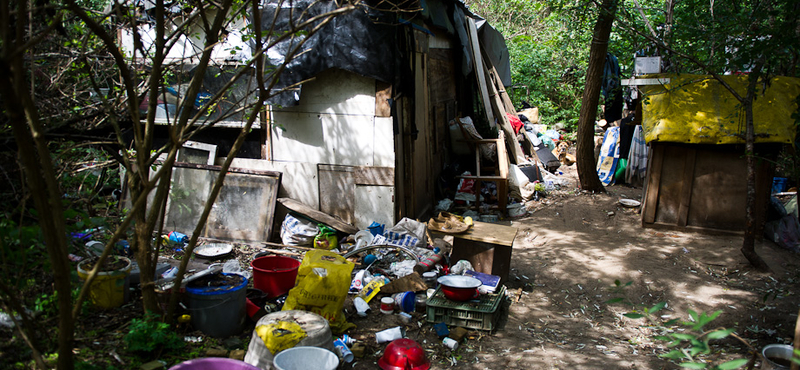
[389, 335]
[305, 358]
[450, 343]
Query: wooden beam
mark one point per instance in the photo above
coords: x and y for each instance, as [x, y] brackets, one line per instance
[510, 135]
[477, 64]
[653, 183]
[318, 216]
[686, 186]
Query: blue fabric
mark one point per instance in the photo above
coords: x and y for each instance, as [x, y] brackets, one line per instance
[609, 156]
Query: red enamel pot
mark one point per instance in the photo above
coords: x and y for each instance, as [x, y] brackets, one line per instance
[459, 288]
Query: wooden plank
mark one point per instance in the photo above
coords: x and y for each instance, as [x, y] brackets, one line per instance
[318, 216]
[501, 89]
[490, 233]
[378, 176]
[653, 183]
[688, 183]
[511, 137]
[230, 169]
[383, 93]
[472, 31]
[337, 191]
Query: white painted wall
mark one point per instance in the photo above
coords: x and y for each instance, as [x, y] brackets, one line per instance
[335, 123]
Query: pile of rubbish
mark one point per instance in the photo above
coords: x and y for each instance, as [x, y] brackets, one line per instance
[308, 298]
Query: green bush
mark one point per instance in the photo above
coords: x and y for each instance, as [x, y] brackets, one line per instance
[149, 335]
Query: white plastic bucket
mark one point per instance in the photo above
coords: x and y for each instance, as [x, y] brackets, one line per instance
[305, 358]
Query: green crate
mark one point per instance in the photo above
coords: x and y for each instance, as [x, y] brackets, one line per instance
[481, 314]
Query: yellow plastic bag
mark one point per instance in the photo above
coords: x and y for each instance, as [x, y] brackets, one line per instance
[323, 281]
[280, 335]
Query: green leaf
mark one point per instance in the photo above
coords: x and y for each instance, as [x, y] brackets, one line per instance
[719, 334]
[735, 364]
[617, 282]
[658, 307]
[614, 300]
[674, 354]
[671, 322]
[682, 336]
[633, 315]
[693, 365]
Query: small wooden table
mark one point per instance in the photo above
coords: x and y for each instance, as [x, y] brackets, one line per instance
[487, 247]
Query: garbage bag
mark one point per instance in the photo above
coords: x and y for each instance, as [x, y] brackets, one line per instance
[297, 231]
[323, 281]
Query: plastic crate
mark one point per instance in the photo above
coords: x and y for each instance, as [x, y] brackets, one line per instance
[479, 314]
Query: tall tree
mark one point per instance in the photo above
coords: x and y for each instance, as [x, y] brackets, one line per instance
[587, 171]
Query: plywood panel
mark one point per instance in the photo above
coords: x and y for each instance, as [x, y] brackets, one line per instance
[718, 197]
[338, 91]
[384, 147]
[336, 191]
[703, 187]
[374, 203]
[377, 176]
[324, 138]
[671, 186]
[334, 123]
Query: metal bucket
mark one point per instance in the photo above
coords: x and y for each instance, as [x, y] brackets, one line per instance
[777, 357]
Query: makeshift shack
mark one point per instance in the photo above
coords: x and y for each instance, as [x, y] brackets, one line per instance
[364, 135]
[697, 175]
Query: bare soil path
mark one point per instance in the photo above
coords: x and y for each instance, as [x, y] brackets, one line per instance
[567, 255]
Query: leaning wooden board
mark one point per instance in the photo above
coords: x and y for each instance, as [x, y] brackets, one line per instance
[318, 216]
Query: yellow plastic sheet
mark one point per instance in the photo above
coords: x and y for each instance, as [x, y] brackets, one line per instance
[280, 335]
[697, 109]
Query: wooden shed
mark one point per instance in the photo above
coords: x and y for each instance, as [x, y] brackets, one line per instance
[362, 132]
[697, 175]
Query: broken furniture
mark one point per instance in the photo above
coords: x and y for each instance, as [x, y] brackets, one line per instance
[487, 246]
[500, 172]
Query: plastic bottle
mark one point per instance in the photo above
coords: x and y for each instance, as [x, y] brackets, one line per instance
[177, 237]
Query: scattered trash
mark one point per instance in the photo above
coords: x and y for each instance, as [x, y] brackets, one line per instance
[389, 335]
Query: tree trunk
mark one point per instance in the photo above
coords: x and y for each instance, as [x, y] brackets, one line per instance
[587, 168]
[748, 245]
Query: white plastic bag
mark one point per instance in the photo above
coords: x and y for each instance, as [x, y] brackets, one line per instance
[296, 231]
[233, 267]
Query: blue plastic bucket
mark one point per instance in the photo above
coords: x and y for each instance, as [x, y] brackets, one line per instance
[218, 310]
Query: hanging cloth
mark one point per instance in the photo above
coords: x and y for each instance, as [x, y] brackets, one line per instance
[637, 157]
[609, 156]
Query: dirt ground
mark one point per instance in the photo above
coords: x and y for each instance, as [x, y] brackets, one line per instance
[568, 253]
